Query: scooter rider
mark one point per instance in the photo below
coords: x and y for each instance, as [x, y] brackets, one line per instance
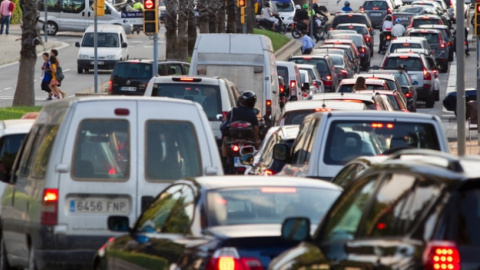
[347, 7]
[387, 26]
[268, 14]
[244, 112]
[398, 29]
[301, 17]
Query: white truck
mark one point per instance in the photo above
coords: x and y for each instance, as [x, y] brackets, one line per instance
[246, 60]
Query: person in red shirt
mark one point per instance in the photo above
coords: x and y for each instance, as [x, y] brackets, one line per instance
[6, 15]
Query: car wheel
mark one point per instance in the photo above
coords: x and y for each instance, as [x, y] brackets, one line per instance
[31, 260]
[52, 28]
[430, 101]
[79, 70]
[3, 256]
[444, 67]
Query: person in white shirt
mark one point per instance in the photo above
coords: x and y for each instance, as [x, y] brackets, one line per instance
[268, 14]
[387, 26]
[398, 29]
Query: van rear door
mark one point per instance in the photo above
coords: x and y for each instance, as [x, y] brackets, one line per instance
[101, 180]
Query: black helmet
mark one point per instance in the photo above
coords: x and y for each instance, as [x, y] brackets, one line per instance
[347, 4]
[247, 99]
[389, 17]
[267, 4]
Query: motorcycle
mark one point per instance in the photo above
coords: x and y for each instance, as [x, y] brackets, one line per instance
[239, 142]
[298, 27]
[387, 39]
[265, 24]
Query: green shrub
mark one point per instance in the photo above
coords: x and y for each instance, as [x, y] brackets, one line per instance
[17, 13]
[17, 112]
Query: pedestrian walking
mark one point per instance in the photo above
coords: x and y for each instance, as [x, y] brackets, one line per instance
[6, 14]
[55, 53]
[307, 43]
[47, 75]
[54, 83]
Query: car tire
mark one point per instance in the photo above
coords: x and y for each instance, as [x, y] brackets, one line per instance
[3, 256]
[430, 102]
[444, 68]
[79, 70]
[52, 28]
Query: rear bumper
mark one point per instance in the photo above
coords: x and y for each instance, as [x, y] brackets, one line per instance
[424, 92]
[103, 64]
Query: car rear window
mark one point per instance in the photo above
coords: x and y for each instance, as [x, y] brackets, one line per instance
[404, 45]
[432, 38]
[267, 205]
[132, 71]
[320, 64]
[410, 63]
[337, 61]
[349, 19]
[350, 139]
[358, 29]
[375, 5]
[296, 117]
[206, 95]
[418, 22]
[283, 71]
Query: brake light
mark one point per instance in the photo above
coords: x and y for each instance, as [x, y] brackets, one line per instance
[375, 8]
[293, 83]
[269, 172]
[388, 37]
[323, 110]
[227, 258]
[49, 210]
[278, 190]
[408, 94]
[367, 38]
[426, 74]
[307, 58]
[235, 148]
[382, 125]
[403, 57]
[362, 50]
[112, 171]
[240, 124]
[328, 80]
[389, 11]
[186, 79]
[268, 102]
[282, 89]
[110, 87]
[441, 255]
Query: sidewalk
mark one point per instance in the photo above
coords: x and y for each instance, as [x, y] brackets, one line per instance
[11, 45]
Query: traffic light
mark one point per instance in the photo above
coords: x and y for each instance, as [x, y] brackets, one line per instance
[150, 17]
[242, 3]
[99, 7]
[477, 19]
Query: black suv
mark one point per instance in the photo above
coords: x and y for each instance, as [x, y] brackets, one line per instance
[131, 77]
[325, 67]
[419, 209]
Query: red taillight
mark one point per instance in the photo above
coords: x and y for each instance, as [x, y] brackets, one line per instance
[362, 50]
[388, 37]
[268, 102]
[367, 38]
[186, 79]
[328, 80]
[228, 259]
[323, 109]
[389, 11]
[293, 83]
[269, 172]
[441, 255]
[426, 74]
[235, 148]
[408, 94]
[282, 89]
[110, 87]
[224, 114]
[315, 83]
[49, 210]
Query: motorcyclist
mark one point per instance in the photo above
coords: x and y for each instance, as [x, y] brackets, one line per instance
[387, 26]
[347, 7]
[244, 112]
[268, 14]
[301, 17]
[398, 29]
[316, 12]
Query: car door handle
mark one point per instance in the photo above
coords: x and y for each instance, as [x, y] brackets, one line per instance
[83, 14]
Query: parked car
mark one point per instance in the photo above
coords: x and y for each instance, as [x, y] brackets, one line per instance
[215, 222]
[217, 96]
[325, 68]
[361, 29]
[87, 158]
[416, 210]
[131, 77]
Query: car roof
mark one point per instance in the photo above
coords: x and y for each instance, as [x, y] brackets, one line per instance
[187, 79]
[286, 63]
[426, 16]
[341, 96]
[435, 26]
[306, 66]
[386, 71]
[427, 30]
[408, 39]
[353, 24]
[309, 56]
[16, 126]
[238, 181]
[382, 92]
[395, 54]
[319, 104]
[369, 76]
[375, 115]
[367, 81]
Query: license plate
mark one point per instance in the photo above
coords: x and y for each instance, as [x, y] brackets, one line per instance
[375, 14]
[128, 88]
[404, 18]
[98, 63]
[99, 205]
[236, 162]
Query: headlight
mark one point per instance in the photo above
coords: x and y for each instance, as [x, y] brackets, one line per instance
[110, 57]
[83, 56]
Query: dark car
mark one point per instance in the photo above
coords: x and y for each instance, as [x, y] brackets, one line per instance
[450, 101]
[377, 10]
[424, 19]
[438, 42]
[362, 47]
[361, 18]
[215, 222]
[417, 210]
[353, 61]
[361, 29]
[447, 35]
[325, 68]
[407, 12]
[131, 77]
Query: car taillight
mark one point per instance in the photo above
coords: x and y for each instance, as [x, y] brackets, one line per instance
[367, 38]
[344, 72]
[282, 89]
[227, 258]
[269, 172]
[293, 83]
[408, 94]
[388, 37]
[268, 103]
[441, 255]
[235, 147]
[426, 74]
[224, 114]
[362, 50]
[315, 83]
[49, 210]
[110, 87]
[389, 11]
[328, 80]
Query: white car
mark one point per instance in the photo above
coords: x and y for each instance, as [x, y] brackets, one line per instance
[316, 77]
[286, 10]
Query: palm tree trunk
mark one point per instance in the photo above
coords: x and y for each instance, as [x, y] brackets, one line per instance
[203, 24]
[250, 13]
[171, 8]
[182, 30]
[24, 93]
[192, 27]
[220, 16]
[231, 16]
[212, 16]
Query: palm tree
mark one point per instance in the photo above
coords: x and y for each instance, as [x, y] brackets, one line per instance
[231, 8]
[24, 93]
[171, 7]
[182, 41]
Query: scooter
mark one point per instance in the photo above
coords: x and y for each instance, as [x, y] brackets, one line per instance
[387, 39]
[240, 142]
[266, 24]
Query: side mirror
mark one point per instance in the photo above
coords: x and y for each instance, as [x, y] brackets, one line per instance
[296, 229]
[77, 44]
[118, 224]
[306, 86]
[281, 152]
[246, 159]
[124, 45]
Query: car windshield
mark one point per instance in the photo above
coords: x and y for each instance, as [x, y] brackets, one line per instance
[267, 205]
[284, 7]
[132, 71]
[349, 19]
[208, 96]
[375, 5]
[350, 139]
[359, 29]
[105, 40]
[404, 45]
[296, 117]
[410, 63]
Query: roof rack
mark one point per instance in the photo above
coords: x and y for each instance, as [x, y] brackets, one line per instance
[452, 162]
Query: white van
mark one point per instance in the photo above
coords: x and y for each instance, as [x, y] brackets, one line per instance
[248, 61]
[92, 157]
[77, 15]
[112, 47]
